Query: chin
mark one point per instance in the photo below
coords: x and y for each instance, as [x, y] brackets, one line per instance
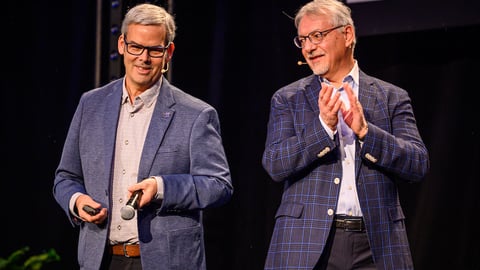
[319, 70]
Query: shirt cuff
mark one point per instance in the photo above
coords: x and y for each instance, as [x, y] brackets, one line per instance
[72, 204]
[330, 132]
[160, 187]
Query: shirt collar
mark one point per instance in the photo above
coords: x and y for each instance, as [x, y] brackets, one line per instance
[354, 75]
[148, 97]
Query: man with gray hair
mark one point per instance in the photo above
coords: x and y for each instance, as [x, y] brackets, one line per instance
[142, 160]
[340, 141]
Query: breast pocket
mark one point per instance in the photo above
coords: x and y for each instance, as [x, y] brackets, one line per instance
[171, 159]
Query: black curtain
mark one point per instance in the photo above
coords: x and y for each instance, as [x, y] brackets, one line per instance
[235, 55]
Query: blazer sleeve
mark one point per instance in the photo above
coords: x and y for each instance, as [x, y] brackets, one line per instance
[295, 136]
[393, 141]
[209, 183]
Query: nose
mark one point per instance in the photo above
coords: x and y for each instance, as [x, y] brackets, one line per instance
[145, 53]
[308, 45]
[144, 56]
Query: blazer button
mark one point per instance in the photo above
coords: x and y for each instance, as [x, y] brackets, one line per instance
[323, 152]
[370, 157]
[330, 212]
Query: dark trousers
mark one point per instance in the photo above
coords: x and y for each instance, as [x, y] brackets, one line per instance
[346, 250]
[114, 262]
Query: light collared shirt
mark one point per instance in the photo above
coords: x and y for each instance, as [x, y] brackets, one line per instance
[133, 124]
[348, 203]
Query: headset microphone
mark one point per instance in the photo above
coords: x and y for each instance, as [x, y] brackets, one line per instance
[164, 64]
[165, 69]
[301, 63]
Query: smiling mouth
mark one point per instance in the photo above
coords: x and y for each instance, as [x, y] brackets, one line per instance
[315, 56]
[143, 70]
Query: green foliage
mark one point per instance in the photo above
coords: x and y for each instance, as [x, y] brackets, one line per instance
[16, 260]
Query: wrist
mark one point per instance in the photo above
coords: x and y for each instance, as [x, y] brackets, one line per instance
[363, 133]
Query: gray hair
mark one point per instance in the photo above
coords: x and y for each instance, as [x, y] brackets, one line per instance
[150, 14]
[339, 13]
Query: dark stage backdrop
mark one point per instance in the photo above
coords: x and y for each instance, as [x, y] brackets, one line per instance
[235, 55]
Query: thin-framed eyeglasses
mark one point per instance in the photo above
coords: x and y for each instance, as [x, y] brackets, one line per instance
[137, 49]
[315, 37]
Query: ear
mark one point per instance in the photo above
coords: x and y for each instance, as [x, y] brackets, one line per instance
[170, 50]
[121, 45]
[349, 35]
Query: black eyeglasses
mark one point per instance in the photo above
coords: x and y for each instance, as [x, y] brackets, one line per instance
[137, 49]
[315, 37]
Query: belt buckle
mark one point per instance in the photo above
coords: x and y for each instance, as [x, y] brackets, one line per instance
[349, 222]
[125, 253]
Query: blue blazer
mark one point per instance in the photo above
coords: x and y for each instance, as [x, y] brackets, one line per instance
[299, 153]
[183, 145]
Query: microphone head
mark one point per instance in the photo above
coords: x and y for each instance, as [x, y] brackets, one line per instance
[128, 212]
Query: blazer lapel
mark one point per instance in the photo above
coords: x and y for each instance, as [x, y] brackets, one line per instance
[312, 92]
[110, 121]
[161, 118]
[366, 97]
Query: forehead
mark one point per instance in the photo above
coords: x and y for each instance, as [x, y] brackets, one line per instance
[311, 22]
[148, 35]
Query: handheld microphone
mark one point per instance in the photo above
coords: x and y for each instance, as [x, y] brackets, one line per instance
[301, 63]
[128, 211]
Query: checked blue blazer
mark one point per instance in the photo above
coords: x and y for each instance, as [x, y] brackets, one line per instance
[299, 153]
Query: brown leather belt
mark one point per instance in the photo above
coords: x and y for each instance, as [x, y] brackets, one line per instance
[127, 250]
[350, 223]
